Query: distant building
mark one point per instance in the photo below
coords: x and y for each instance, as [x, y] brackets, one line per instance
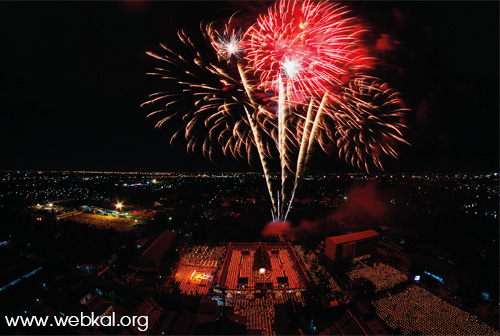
[435, 272]
[352, 247]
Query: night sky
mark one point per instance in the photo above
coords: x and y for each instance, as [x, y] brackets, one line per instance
[74, 76]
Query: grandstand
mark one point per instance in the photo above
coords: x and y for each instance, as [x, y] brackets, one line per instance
[352, 247]
[262, 266]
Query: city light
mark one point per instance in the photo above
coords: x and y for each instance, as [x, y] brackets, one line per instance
[228, 196]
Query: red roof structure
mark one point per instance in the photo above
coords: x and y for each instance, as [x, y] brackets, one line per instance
[99, 306]
[152, 310]
[151, 257]
[261, 259]
[156, 250]
[350, 237]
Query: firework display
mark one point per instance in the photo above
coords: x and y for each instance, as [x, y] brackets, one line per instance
[297, 76]
[369, 123]
[311, 44]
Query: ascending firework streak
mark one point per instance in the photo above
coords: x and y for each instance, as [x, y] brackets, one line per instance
[229, 46]
[281, 141]
[305, 150]
[260, 151]
[295, 78]
[255, 131]
[310, 44]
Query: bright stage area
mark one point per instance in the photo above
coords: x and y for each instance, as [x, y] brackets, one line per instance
[197, 268]
[200, 277]
[195, 279]
[255, 266]
[262, 266]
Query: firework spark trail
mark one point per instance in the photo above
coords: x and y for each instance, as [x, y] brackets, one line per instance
[316, 37]
[279, 206]
[257, 137]
[315, 127]
[229, 45]
[306, 144]
[204, 104]
[369, 122]
[281, 140]
[302, 152]
[260, 150]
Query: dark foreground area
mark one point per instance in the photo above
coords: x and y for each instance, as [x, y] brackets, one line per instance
[154, 244]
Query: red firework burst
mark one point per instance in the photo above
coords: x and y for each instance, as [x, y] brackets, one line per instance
[312, 45]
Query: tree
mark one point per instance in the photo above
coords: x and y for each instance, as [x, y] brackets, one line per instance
[315, 295]
[365, 288]
[175, 287]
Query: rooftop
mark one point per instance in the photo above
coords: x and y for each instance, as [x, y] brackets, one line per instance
[350, 237]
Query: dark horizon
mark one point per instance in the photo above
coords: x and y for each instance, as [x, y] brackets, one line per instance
[75, 76]
[44, 171]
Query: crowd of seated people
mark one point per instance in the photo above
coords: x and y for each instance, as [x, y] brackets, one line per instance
[104, 222]
[417, 311]
[259, 311]
[382, 276]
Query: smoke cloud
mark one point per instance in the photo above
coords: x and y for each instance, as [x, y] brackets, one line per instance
[363, 207]
[363, 203]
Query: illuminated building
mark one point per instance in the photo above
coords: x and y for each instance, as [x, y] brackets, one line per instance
[352, 247]
[262, 266]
